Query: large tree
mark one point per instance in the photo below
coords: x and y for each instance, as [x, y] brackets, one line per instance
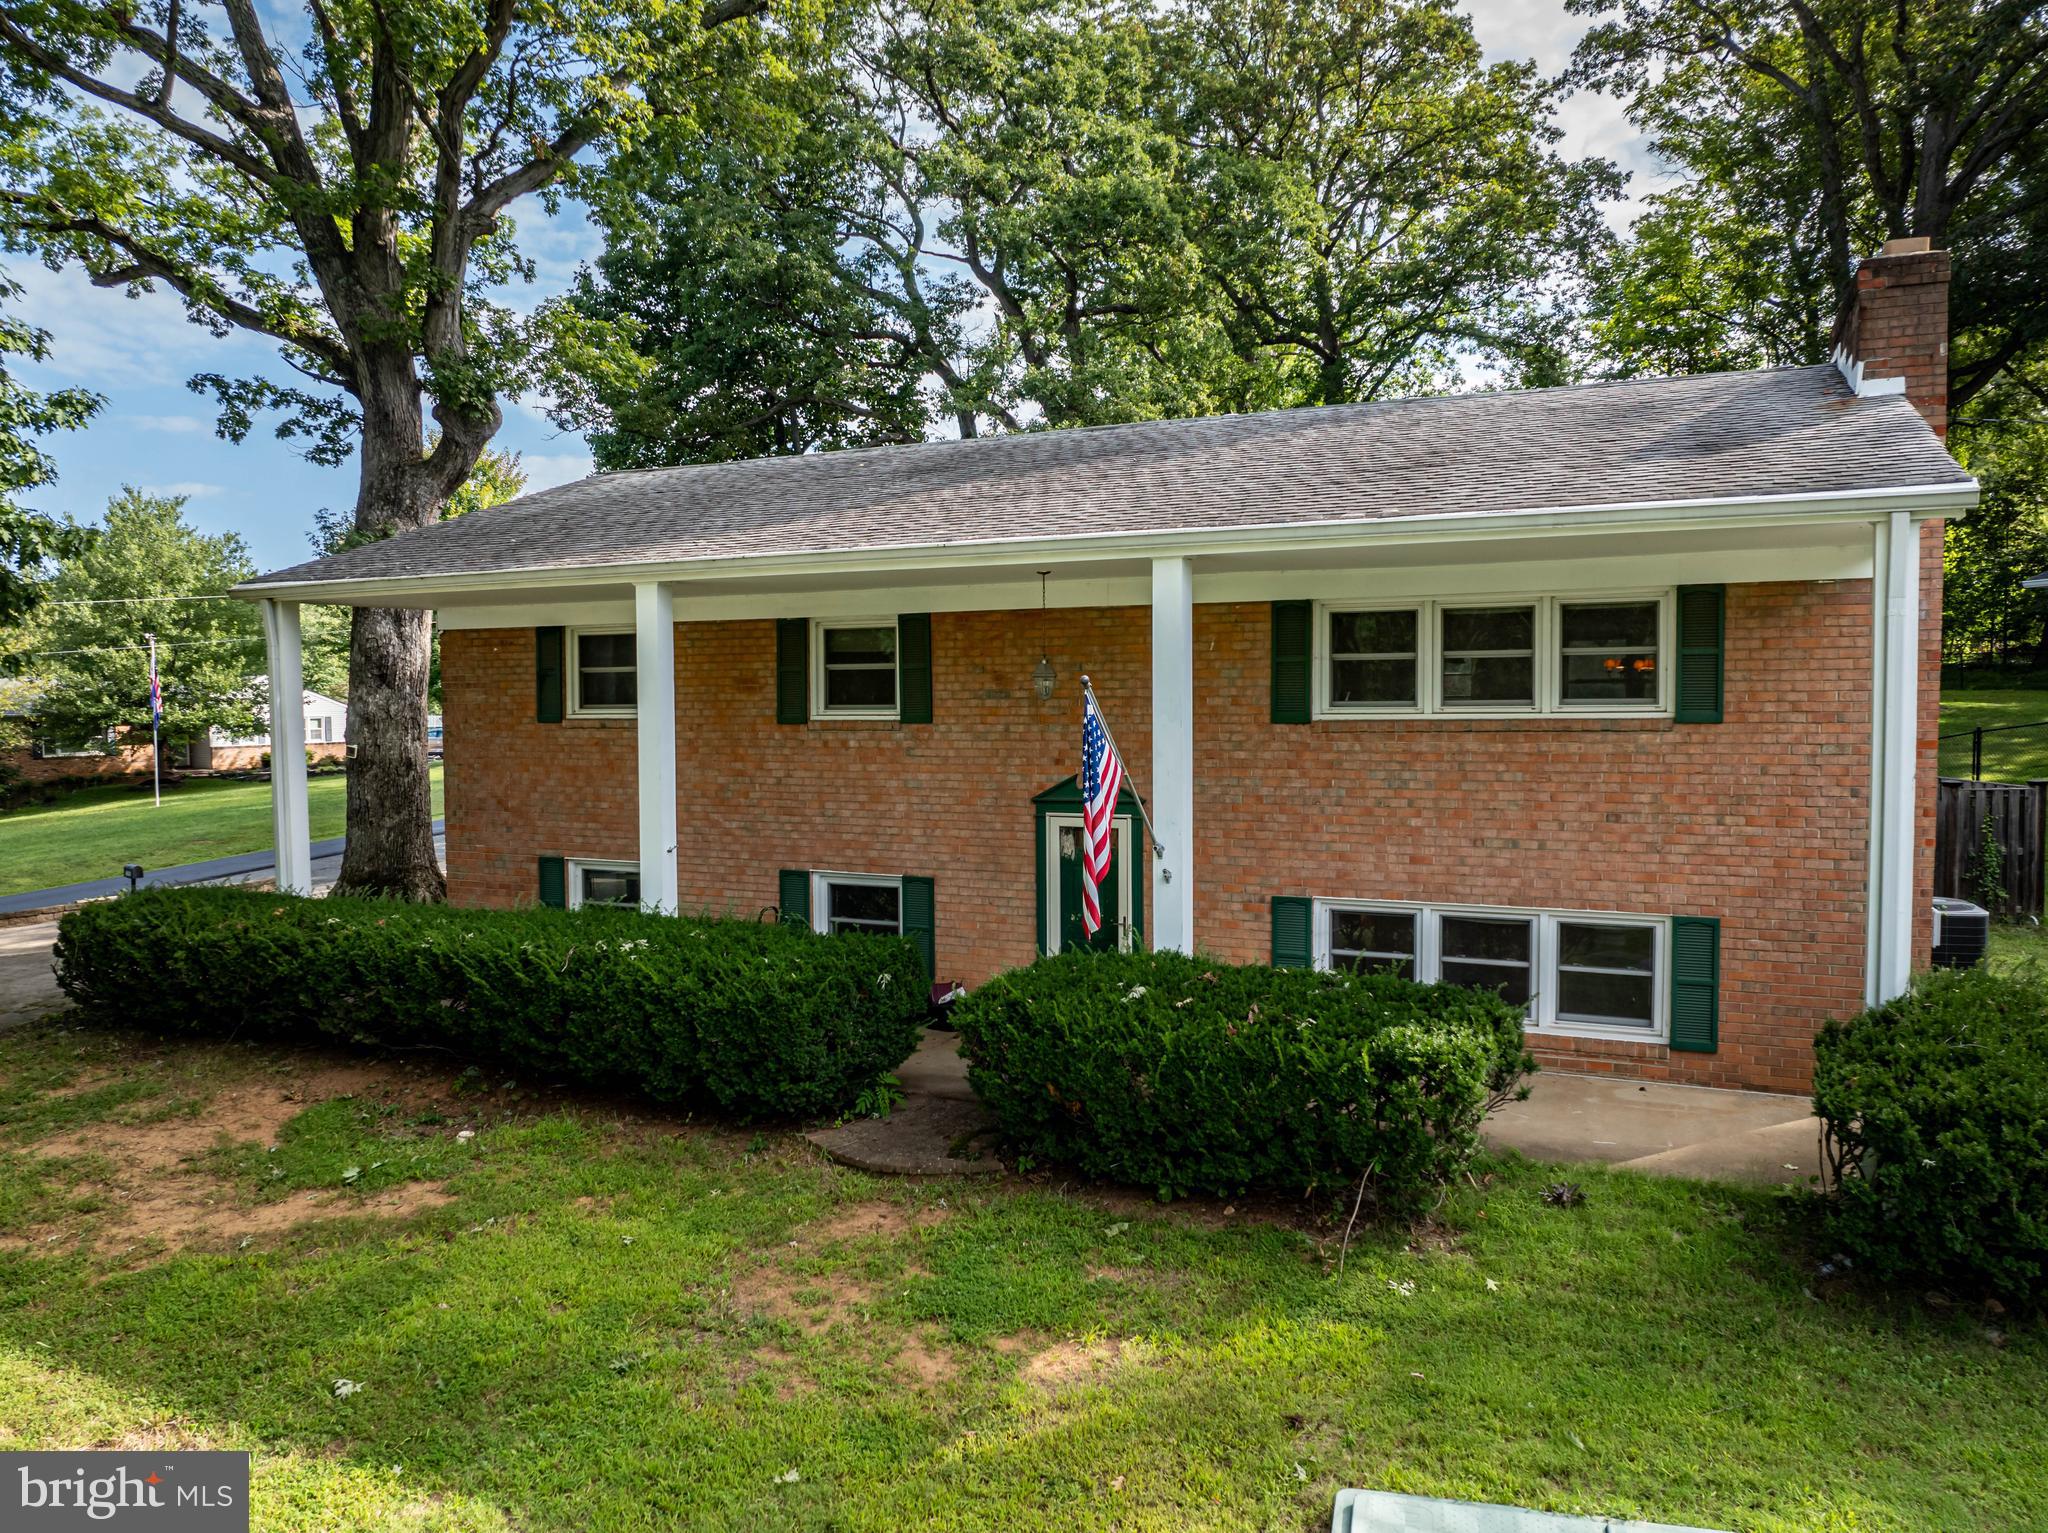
[1885, 118]
[31, 539]
[147, 572]
[1375, 203]
[338, 179]
[998, 214]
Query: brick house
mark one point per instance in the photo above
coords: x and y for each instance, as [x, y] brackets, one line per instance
[1620, 697]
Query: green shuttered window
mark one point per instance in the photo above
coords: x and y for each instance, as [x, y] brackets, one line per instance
[1293, 934]
[1695, 984]
[547, 675]
[1292, 642]
[914, 667]
[554, 879]
[792, 670]
[1702, 624]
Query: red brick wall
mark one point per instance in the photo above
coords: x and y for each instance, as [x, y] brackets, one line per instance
[1761, 821]
[1896, 326]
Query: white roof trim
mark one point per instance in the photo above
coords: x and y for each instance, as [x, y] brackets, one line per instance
[1923, 501]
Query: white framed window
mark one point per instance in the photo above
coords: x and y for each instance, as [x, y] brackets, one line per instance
[853, 668]
[1495, 657]
[603, 672]
[856, 902]
[603, 883]
[1582, 973]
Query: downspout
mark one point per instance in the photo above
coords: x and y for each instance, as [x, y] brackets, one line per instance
[1895, 816]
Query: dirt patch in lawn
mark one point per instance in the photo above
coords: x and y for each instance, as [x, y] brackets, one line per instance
[184, 1218]
[1068, 1363]
[811, 1302]
[878, 1217]
[144, 1180]
[250, 1111]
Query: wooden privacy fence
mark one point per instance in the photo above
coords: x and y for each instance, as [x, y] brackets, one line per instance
[2016, 813]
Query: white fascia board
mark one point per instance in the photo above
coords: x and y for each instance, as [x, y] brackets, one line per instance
[1307, 538]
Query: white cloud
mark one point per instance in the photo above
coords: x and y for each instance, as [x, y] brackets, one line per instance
[545, 470]
[190, 489]
[179, 424]
[1593, 123]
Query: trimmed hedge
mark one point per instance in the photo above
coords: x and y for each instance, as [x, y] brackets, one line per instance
[1186, 1075]
[758, 1019]
[1935, 1108]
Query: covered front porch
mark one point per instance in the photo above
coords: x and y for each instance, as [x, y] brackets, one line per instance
[1149, 592]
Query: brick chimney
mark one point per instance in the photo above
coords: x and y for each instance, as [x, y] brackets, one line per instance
[1893, 336]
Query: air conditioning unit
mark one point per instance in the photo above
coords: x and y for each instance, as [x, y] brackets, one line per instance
[1962, 931]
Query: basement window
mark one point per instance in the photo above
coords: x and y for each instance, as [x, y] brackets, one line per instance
[1584, 973]
[856, 902]
[604, 883]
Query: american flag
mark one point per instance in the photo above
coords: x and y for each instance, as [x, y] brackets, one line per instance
[1102, 777]
[156, 697]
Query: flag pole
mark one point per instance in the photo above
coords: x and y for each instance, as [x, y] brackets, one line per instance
[1158, 846]
[156, 718]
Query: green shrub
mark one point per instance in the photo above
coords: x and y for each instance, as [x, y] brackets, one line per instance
[1186, 1075]
[1935, 1109]
[758, 1019]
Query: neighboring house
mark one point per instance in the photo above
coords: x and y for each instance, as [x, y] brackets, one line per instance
[1618, 697]
[325, 739]
[28, 754]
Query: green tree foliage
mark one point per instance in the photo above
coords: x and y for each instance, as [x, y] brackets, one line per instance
[1989, 616]
[87, 649]
[339, 177]
[1372, 200]
[994, 214]
[28, 538]
[1728, 270]
[1837, 124]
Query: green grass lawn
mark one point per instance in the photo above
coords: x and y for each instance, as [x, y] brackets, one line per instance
[2016, 756]
[594, 1316]
[92, 832]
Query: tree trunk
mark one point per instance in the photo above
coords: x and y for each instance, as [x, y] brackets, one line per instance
[390, 805]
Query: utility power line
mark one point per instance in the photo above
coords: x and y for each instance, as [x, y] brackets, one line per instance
[123, 601]
[123, 649]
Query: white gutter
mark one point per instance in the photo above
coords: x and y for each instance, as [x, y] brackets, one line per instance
[1706, 514]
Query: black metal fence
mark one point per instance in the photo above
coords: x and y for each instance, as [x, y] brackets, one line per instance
[2004, 752]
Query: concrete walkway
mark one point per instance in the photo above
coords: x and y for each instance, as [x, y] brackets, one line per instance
[28, 989]
[244, 867]
[1693, 1131]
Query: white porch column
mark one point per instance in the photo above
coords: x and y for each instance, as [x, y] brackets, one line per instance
[1895, 817]
[654, 632]
[1173, 755]
[288, 813]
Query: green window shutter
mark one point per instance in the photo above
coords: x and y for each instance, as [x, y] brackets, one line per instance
[547, 675]
[920, 920]
[1695, 984]
[1293, 937]
[554, 878]
[914, 667]
[1702, 624]
[792, 670]
[1291, 648]
[793, 896]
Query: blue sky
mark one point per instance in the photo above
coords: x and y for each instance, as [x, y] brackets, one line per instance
[156, 434]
